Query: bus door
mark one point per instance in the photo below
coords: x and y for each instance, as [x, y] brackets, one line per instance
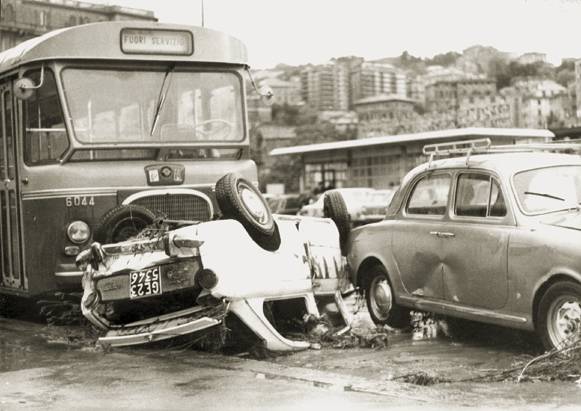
[10, 255]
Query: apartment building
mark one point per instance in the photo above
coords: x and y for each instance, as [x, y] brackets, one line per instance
[371, 79]
[532, 58]
[326, 86]
[23, 19]
[537, 102]
[446, 95]
[385, 115]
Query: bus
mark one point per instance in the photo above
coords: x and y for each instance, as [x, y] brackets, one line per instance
[105, 127]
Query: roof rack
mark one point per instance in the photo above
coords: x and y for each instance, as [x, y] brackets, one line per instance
[484, 145]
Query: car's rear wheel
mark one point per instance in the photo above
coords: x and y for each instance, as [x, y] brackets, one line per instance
[240, 200]
[380, 300]
[122, 223]
[559, 315]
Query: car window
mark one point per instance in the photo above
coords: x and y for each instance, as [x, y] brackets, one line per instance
[478, 195]
[430, 195]
[550, 189]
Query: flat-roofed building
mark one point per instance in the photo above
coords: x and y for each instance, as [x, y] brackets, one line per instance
[371, 79]
[385, 114]
[326, 86]
[381, 162]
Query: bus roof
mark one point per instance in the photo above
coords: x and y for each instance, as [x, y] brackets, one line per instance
[103, 41]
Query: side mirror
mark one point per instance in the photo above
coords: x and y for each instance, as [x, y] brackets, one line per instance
[266, 95]
[24, 88]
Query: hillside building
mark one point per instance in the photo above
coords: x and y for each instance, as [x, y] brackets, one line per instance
[537, 102]
[326, 86]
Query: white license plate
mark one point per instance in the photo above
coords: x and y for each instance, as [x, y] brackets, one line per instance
[145, 282]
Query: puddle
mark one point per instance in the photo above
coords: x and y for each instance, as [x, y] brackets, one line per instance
[27, 344]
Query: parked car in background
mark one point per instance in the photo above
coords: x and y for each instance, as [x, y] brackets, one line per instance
[364, 205]
[266, 270]
[288, 204]
[491, 237]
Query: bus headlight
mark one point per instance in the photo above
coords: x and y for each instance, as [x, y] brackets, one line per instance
[78, 232]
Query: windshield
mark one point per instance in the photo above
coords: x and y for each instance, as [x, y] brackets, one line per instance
[149, 107]
[549, 189]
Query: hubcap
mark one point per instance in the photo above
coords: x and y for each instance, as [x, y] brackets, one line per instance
[254, 205]
[565, 321]
[380, 298]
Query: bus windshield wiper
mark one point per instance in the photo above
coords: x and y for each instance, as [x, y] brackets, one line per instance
[161, 98]
[544, 195]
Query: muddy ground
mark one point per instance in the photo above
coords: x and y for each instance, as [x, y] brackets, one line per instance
[49, 367]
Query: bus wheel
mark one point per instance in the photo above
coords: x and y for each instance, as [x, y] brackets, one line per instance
[334, 207]
[240, 200]
[123, 222]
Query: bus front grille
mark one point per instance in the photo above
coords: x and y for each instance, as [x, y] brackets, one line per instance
[177, 206]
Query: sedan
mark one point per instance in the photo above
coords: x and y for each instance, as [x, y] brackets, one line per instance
[491, 237]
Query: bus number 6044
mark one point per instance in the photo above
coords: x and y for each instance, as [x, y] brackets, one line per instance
[80, 201]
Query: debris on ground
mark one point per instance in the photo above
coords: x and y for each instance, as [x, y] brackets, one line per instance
[320, 331]
[421, 378]
[427, 325]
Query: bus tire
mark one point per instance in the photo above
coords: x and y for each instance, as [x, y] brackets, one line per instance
[240, 200]
[334, 207]
[122, 223]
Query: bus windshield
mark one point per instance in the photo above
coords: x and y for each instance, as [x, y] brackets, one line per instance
[149, 107]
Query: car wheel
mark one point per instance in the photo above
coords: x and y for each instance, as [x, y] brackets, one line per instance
[334, 207]
[380, 300]
[122, 223]
[240, 200]
[559, 315]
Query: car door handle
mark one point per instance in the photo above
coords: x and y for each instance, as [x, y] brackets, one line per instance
[441, 234]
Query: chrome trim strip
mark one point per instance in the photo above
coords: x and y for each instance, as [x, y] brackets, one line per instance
[98, 190]
[68, 274]
[186, 191]
[480, 312]
[35, 196]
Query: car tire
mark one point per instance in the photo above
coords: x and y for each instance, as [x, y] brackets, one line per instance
[334, 207]
[559, 314]
[240, 200]
[122, 223]
[379, 297]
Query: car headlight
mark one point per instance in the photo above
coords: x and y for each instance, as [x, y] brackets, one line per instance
[78, 232]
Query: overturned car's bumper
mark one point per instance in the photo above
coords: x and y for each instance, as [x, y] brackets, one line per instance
[164, 327]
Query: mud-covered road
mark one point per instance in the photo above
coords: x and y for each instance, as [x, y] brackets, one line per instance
[44, 367]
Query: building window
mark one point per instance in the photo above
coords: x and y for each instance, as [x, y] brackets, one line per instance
[43, 18]
[7, 13]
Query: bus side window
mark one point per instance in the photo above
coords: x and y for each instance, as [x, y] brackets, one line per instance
[46, 137]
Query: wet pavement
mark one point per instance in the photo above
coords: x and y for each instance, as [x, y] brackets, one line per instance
[44, 367]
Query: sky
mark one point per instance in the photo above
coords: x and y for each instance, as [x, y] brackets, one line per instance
[314, 31]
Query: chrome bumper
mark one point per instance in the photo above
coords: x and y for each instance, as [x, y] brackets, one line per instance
[164, 327]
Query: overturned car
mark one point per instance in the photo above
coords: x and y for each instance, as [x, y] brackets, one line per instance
[174, 282]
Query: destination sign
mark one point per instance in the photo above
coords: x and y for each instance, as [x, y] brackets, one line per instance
[141, 41]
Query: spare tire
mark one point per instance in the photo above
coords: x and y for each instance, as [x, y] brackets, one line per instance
[334, 207]
[122, 223]
[240, 200]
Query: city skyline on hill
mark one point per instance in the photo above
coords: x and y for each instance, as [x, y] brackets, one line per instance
[302, 31]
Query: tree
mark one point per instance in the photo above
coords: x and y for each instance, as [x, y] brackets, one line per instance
[505, 72]
[446, 59]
